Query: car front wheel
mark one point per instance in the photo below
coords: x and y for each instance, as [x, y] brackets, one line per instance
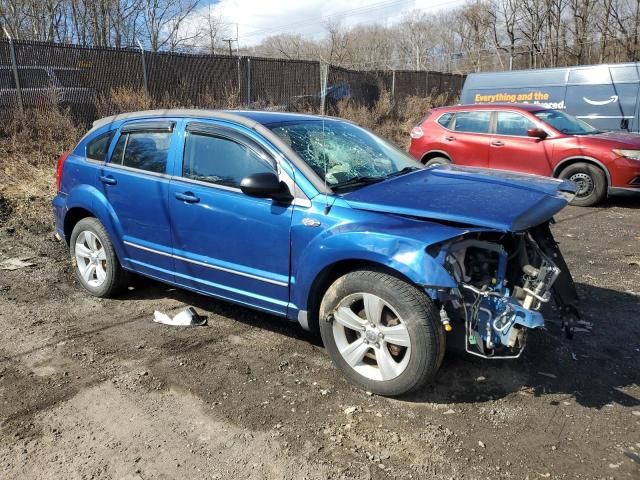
[381, 332]
[96, 265]
[591, 184]
[434, 162]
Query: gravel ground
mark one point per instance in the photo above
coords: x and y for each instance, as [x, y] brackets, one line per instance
[93, 388]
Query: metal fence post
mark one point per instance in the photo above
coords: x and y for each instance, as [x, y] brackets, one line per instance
[393, 84]
[248, 81]
[426, 81]
[14, 65]
[239, 82]
[324, 74]
[144, 69]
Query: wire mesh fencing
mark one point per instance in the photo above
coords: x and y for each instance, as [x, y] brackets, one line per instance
[94, 82]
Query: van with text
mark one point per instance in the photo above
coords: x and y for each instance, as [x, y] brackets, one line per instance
[606, 96]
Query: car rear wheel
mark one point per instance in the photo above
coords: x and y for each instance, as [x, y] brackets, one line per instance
[96, 265]
[591, 183]
[434, 162]
[381, 332]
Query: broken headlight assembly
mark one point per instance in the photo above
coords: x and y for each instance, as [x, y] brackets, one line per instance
[503, 283]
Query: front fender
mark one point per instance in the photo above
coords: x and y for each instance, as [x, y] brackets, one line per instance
[397, 250]
[93, 200]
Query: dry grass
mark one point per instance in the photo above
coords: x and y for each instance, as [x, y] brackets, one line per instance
[390, 119]
[31, 143]
[29, 147]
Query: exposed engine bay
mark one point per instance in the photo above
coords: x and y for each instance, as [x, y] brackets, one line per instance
[504, 280]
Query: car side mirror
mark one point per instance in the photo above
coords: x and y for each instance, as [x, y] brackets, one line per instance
[265, 185]
[537, 133]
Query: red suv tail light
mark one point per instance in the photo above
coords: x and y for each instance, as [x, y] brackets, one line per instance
[417, 132]
[59, 166]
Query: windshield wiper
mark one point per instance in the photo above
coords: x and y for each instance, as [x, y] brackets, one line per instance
[356, 182]
[402, 172]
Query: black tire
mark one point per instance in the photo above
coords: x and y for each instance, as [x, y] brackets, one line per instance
[591, 182]
[434, 162]
[418, 313]
[116, 278]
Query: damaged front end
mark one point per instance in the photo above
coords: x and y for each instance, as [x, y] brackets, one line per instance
[503, 280]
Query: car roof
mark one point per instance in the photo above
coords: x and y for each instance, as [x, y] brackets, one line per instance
[492, 106]
[245, 117]
[266, 117]
[255, 120]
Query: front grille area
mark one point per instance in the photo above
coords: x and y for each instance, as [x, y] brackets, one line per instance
[635, 181]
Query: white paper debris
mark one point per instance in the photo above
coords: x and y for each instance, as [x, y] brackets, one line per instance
[186, 318]
[15, 263]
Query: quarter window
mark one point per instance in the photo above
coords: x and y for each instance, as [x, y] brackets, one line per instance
[146, 151]
[97, 148]
[472, 122]
[220, 160]
[510, 123]
[445, 120]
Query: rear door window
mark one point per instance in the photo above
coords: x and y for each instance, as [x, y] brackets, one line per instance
[513, 124]
[70, 77]
[34, 78]
[472, 122]
[6, 79]
[143, 150]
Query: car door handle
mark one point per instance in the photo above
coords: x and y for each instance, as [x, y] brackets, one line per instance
[449, 139]
[187, 197]
[108, 180]
[497, 143]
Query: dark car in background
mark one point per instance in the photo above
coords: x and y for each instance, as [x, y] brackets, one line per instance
[46, 85]
[531, 139]
[366, 93]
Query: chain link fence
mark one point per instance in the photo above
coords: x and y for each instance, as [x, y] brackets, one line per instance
[89, 81]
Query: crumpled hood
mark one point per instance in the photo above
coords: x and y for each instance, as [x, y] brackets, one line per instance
[495, 199]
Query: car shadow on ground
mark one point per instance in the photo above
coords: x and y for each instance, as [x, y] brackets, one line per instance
[593, 367]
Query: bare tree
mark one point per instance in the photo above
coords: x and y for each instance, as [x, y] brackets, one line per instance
[163, 20]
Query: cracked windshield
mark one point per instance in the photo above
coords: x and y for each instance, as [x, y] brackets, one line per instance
[350, 156]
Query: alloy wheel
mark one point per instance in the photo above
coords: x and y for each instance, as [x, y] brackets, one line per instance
[371, 337]
[91, 258]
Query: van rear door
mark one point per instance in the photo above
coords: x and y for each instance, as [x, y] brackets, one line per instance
[604, 96]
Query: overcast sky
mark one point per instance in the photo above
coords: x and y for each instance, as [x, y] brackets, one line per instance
[258, 19]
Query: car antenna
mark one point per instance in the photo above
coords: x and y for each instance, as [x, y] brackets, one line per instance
[323, 88]
[327, 207]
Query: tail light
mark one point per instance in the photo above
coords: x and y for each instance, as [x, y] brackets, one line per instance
[59, 167]
[416, 132]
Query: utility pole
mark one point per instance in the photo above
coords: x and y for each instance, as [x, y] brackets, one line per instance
[229, 40]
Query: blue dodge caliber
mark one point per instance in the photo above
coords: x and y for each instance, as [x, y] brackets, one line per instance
[319, 221]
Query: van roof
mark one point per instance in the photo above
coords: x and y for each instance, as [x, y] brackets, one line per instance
[492, 106]
[558, 76]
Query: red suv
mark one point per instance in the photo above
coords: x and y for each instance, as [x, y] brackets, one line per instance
[531, 139]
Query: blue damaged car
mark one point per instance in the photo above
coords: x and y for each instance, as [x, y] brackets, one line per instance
[319, 221]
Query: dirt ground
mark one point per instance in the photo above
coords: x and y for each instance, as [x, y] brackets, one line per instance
[93, 388]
